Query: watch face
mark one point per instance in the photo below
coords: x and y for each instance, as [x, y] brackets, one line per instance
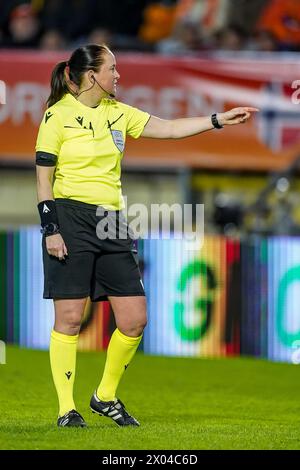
[51, 228]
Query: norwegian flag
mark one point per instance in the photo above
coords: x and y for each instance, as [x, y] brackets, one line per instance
[279, 119]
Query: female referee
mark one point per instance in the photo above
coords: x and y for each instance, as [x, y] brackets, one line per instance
[79, 150]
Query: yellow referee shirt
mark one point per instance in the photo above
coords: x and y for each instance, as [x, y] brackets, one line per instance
[89, 145]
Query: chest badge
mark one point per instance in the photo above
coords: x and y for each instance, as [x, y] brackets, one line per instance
[118, 139]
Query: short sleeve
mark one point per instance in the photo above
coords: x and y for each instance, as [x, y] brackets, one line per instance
[50, 133]
[136, 121]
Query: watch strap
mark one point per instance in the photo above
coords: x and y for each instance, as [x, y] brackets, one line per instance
[215, 122]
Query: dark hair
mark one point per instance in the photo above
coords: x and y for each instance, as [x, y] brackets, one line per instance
[85, 58]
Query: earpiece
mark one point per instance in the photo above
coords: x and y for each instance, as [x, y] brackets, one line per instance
[96, 81]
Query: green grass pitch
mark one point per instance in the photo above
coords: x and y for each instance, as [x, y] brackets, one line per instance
[181, 403]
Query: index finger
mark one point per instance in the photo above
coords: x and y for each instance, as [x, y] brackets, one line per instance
[253, 110]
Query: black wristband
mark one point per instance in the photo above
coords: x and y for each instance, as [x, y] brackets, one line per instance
[215, 122]
[47, 211]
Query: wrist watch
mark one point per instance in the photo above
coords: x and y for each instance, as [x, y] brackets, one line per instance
[50, 229]
[215, 122]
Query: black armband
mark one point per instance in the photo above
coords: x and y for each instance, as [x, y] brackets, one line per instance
[215, 122]
[47, 211]
[45, 159]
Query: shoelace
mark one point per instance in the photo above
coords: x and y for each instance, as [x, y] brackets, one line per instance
[64, 419]
[122, 409]
[75, 413]
[111, 407]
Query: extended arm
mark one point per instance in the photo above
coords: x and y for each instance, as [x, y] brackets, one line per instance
[179, 128]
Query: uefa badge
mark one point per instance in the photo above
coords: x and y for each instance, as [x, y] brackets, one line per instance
[118, 139]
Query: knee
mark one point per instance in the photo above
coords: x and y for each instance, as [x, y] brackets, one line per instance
[143, 324]
[73, 321]
[69, 322]
[139, 328]
[136, 328]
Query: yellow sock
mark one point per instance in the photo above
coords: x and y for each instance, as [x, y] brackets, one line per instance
[63, 362]
[120, 351]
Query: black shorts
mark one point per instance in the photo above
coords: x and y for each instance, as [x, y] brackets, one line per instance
[94, 267]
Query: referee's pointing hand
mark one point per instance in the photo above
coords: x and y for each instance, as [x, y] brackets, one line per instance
[56, 246]
[236, 116]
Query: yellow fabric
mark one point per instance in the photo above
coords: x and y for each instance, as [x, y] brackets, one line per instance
[88, 165]
[120, 351]
[63, 363]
